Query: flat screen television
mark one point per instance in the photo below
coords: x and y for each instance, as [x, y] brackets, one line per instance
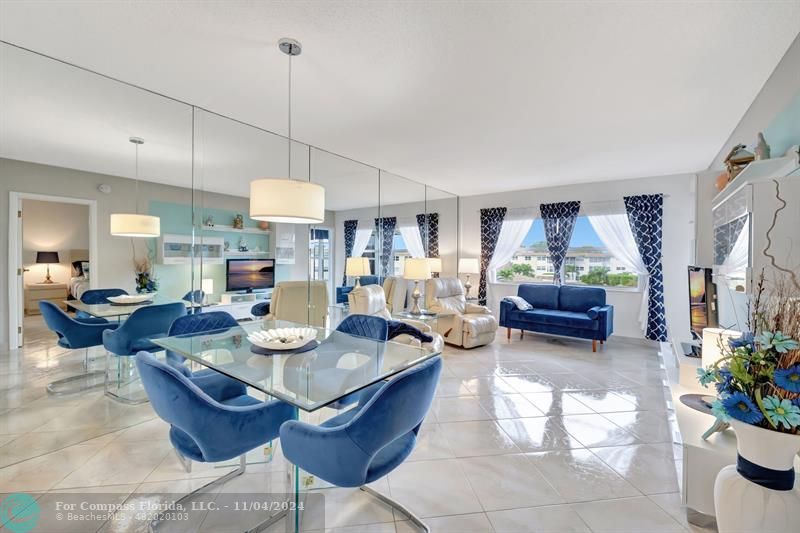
[249, 274]
[702, 300]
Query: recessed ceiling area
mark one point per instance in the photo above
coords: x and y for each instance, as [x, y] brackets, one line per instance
[470, 97]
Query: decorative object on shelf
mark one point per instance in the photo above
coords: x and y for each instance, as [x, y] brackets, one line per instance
[263, 224]
[757, 379]
[738, 158]
[287, 200]
[243, 245]
[762, 148]
[357, 267]
[468, 265]
[238, 222]
[722, 180]
[47, 258]
[209, 221]
[226, 246]
[134, 224]
[416, 269]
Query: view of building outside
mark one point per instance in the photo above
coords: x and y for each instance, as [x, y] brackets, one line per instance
[587, 261]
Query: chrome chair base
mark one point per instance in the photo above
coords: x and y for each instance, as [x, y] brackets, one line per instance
[79, 382]
[414, 519]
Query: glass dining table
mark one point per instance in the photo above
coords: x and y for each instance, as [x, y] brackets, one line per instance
[341, 365]
[119, 311]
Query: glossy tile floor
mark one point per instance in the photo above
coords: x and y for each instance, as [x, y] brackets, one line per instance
[538, 434]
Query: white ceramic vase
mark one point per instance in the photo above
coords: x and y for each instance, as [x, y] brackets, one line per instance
[743, 506]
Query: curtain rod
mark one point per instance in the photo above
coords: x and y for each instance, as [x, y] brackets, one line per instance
[596, 203]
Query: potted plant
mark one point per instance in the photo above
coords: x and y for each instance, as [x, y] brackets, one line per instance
[758, 393]
[145, 282]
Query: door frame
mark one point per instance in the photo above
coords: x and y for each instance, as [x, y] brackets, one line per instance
[16, 295]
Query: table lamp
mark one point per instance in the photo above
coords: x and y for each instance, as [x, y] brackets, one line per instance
[468, 265]
[357, 267]
[47, 258]
[207, 286]
[436, 265]
[416, 269]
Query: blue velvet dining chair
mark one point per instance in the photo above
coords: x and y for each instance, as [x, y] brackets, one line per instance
[74, 334]
[210, 426]
[134, 335]
[98, 296]
[365, 443]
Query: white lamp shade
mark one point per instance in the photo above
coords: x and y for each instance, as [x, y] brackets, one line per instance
[287, 201]
[468, 265]
[207, 285]
[357, 266]
[436, 264]
[133, 225]
[714, 340]
[417, 268]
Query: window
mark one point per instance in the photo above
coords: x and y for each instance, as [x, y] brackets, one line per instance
[587, 261]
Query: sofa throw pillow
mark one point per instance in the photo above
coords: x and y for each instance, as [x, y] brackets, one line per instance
[520, 302]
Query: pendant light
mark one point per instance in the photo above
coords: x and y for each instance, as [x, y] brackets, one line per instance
[134, 224]
[284, 199]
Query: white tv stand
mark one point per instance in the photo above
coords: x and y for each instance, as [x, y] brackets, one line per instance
[238, 305]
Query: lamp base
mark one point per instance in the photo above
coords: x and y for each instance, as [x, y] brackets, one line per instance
[467, 287]
[47, 277]
[358, 282]
[415, 295]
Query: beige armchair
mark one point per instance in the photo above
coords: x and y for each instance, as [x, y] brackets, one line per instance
[370, 300]
[461, 323]
[298, 302]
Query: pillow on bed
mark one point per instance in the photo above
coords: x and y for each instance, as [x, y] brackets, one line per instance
[85, 269]
[77, 269]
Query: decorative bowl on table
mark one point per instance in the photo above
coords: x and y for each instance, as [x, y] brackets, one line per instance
[132, 299]
[282, 338]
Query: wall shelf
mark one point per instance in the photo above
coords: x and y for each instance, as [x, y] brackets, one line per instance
[234, 253]
[231, 229]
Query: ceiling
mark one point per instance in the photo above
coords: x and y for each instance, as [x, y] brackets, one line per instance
[470, 97]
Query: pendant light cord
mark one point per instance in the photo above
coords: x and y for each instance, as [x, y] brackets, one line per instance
[137, 178]
[290, 116]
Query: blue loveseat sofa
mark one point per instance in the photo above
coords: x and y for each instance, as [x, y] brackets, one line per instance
[561, 310]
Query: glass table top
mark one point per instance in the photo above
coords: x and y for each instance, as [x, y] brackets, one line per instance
[340, 365]
[112, 311]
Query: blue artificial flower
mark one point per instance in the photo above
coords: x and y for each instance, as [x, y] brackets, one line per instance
[718, 410]
[706, 375]
[746, 340]
[739, 406]
[782, 411]
[788, 378]
[796, 402]
[725, 386]
[778, 341]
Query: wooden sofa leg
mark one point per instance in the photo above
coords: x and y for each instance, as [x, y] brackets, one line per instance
[594, 345]
[601, 342]
[508, 333]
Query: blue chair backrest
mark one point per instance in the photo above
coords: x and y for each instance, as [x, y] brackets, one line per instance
[100, 296]
[397, 408]
[580, 299]
[369, 280]
[56, 320]
[371, 327]
[196, 325]
[154, 319]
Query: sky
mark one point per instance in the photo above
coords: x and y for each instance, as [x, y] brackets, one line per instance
[583, 235]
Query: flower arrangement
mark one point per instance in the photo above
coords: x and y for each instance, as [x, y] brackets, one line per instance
[143, 271]
[758, 376]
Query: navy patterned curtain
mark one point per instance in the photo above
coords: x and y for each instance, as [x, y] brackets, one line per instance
[428, 224]
[559, 222]
[350, 227]
[385, 227]
[491, 224]
[645, 215]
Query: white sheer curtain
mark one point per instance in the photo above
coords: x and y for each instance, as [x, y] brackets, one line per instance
[412, 239]
[615, 233]
[511, 236]
[361, 241]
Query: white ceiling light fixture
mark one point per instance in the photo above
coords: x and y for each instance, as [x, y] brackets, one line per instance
[134, 224]
[287, 200]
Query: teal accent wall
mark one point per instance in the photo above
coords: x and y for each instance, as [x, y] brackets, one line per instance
[784, 130]
[176, 280]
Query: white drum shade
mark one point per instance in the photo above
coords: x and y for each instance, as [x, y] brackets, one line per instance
[357, 266]
[288, 201]
[468, 265]
[436, 264]
[133, 225]
[417, 268]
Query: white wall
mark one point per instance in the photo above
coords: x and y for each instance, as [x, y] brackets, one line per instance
[52, 226]
[678, 240]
